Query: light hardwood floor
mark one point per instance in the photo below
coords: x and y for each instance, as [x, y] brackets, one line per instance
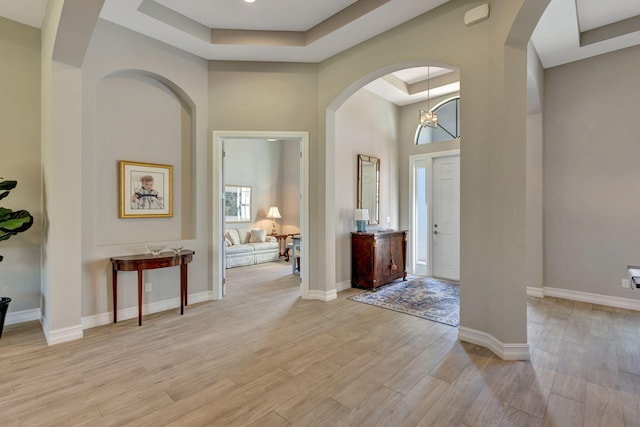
[264, 357]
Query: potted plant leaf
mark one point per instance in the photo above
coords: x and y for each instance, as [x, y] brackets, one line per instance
[11, 223]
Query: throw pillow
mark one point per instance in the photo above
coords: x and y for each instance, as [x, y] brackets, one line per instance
[233, 235]
[227, 242]
[257, 236]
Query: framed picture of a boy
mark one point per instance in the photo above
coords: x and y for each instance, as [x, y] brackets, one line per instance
[146, 190]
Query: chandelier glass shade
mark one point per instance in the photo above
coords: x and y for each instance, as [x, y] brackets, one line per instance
[427, 118]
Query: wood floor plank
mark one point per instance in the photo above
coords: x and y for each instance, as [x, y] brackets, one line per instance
[327, 414]
[534, 389]
[415, 404]
[453, 404]
[517, 418]
[603, 407]
[569, 387]
[563, 412]
[272, 419]
[487, 410]
[262, 356]
[630, 409]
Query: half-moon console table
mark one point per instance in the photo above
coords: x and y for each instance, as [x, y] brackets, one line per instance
[143, 262]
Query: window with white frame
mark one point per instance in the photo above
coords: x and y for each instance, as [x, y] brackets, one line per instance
[448, 123]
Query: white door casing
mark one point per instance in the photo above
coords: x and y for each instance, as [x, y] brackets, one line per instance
[428, 209]
[218, 200]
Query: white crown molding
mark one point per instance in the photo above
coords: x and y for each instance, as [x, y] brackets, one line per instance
[504, 351]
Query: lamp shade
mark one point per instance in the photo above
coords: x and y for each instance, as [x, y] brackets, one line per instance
[273, 212]
[361, 215]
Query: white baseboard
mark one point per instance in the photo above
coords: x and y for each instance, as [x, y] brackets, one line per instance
[502, 350]
[342, 286]
[322, 295]
[132, 312]
[535, 292]
[59, 336]
[628, 303]
[22, 316]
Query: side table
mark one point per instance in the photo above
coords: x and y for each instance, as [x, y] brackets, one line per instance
[148, 262]
[282, 244]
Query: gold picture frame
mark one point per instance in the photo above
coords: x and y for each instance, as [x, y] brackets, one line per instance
[146, 190]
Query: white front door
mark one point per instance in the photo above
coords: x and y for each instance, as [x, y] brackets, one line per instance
[446, 217]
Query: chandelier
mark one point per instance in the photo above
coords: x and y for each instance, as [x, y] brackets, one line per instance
[428, 118]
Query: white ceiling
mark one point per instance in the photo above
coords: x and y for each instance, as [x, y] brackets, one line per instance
[570, 30]
[266, 31]
[307, 31]
[261, 15]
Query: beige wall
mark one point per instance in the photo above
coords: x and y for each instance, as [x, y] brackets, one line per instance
[493, 158]
[270, 168]
[304, 97]
[289, 187]
[20, 136]
[148, 108]
[534, 247]
[252, 96]
[591, 173]
[365, 124]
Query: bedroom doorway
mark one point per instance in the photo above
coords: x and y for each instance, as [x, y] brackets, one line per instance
[300, 161]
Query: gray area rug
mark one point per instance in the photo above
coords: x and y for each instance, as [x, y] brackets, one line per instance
[424, 297]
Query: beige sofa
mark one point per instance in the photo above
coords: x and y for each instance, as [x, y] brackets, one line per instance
[245, 246]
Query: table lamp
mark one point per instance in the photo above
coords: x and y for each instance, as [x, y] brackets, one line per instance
[361, 216]
[273, 214]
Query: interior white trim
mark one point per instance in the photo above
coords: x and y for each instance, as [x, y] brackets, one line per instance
[23, 316]
[217, 219]
[153, 307]
[59, 336]
[610, 301]
[343, 286]
[516, 351]
[535, 292]
[322, 295]
[414, 159]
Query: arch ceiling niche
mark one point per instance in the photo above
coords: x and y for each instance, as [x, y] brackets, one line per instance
[145, 118]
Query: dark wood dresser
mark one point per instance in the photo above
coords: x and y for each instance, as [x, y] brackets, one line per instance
[378, 258]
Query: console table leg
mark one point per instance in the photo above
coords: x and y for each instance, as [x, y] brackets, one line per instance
[139, 297]
[114, 281]
[183, 287]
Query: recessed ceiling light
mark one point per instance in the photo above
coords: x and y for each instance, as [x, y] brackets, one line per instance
[249, 1]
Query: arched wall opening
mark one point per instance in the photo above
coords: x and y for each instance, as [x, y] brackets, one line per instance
[360, 122]
[492, 58]
[138, 116]
[144, 117]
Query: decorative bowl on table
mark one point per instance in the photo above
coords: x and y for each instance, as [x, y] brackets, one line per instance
[176, 249]
[155, 249]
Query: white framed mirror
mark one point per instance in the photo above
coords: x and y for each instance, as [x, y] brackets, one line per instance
[237, 203]
[369, 187]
